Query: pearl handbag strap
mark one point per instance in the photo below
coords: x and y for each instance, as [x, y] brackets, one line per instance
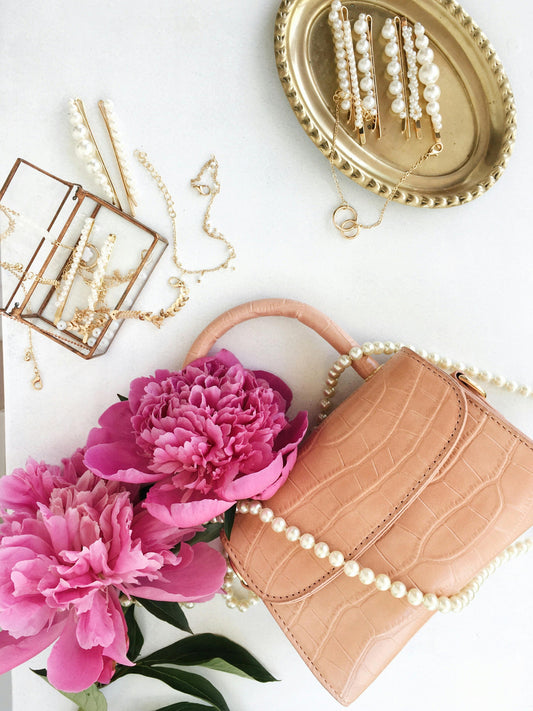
[307, 315]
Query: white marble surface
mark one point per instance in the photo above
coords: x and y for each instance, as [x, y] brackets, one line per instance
[189, 79]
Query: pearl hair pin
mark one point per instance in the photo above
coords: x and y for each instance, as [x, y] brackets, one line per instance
[347, 97]
[68, 278]
[110, 120]
[87, 150]
[96, 284]
[365, 48]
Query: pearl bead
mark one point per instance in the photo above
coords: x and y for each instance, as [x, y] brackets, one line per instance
[321, 550]
[369, 102]
[243, 507]
[292, 533]
[79, 132]
[432, 92]
[61, 325]
[433, 108]
[394, 68]
[415, 597]
[91, 342]
[429, 73]
[332, 16]
[398, 589]
[388, 31]
[366, 84]
[85, 149]
[351, 568]
[368, 348]
[383, 582]
[395, 87]
[336, 5]
[364, 65]
[444, 604]
[278, 524]
[345, 105]
[456, 604]
[421, 41]
[266, 515]
[424, 55]
[362, 46]
[307, 541]
[76, 118]
[430, 601]
[356, 353]
[397, 106]
[336, 558]
[366, 576]
[255, 508]
[337, 24]
[360, 26]
[344, 84]
[391, 49]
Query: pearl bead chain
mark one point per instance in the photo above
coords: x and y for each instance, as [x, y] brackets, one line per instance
[388, 348]
[366, 576]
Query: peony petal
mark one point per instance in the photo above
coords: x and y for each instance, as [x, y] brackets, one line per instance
[17, 651]
[290, 461]
[276, 384]
[118, 648]
[166, 504]
[119, 461]
[198, 581]
[292, 435]
[71, 668]
[252, 485]
[138, 387]
[223, 356]
[95, 627]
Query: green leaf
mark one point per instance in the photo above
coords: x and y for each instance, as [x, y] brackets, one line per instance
[229, 518]
[213, 651]
[170, 612]
[135, 636]
[184, 681]
[121, 397]
[187, 706]
[91, 699]
[210, 533]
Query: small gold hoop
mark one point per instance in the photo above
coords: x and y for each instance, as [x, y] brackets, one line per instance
[348, 227]
[89, 266]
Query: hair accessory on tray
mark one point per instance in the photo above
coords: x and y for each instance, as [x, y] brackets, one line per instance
[320, 83]
[414, 486]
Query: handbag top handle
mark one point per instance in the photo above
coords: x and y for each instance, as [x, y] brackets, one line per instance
[306, 314]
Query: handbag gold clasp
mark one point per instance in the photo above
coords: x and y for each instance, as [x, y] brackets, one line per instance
[470, 384]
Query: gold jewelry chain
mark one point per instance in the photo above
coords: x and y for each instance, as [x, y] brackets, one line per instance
[211, 167]
[350, 227]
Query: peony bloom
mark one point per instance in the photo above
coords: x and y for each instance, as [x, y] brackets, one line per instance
[71, 543]
[204, 438]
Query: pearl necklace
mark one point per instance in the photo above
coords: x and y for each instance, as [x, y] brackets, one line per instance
[351, 568]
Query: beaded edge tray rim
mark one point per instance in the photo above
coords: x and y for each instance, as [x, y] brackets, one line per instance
[371, 182]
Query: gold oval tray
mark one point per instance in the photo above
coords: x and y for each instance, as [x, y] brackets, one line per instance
[477, 104]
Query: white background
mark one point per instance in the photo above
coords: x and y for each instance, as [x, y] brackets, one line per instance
[189, 79]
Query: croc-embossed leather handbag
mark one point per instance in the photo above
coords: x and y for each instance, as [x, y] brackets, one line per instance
[414, 482]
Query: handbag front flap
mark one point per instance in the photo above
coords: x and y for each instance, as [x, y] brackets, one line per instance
[365, 464]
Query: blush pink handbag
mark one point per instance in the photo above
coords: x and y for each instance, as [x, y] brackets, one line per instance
[415, 483]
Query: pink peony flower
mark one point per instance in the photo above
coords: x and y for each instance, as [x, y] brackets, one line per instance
[71, 543]
[204, 438]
